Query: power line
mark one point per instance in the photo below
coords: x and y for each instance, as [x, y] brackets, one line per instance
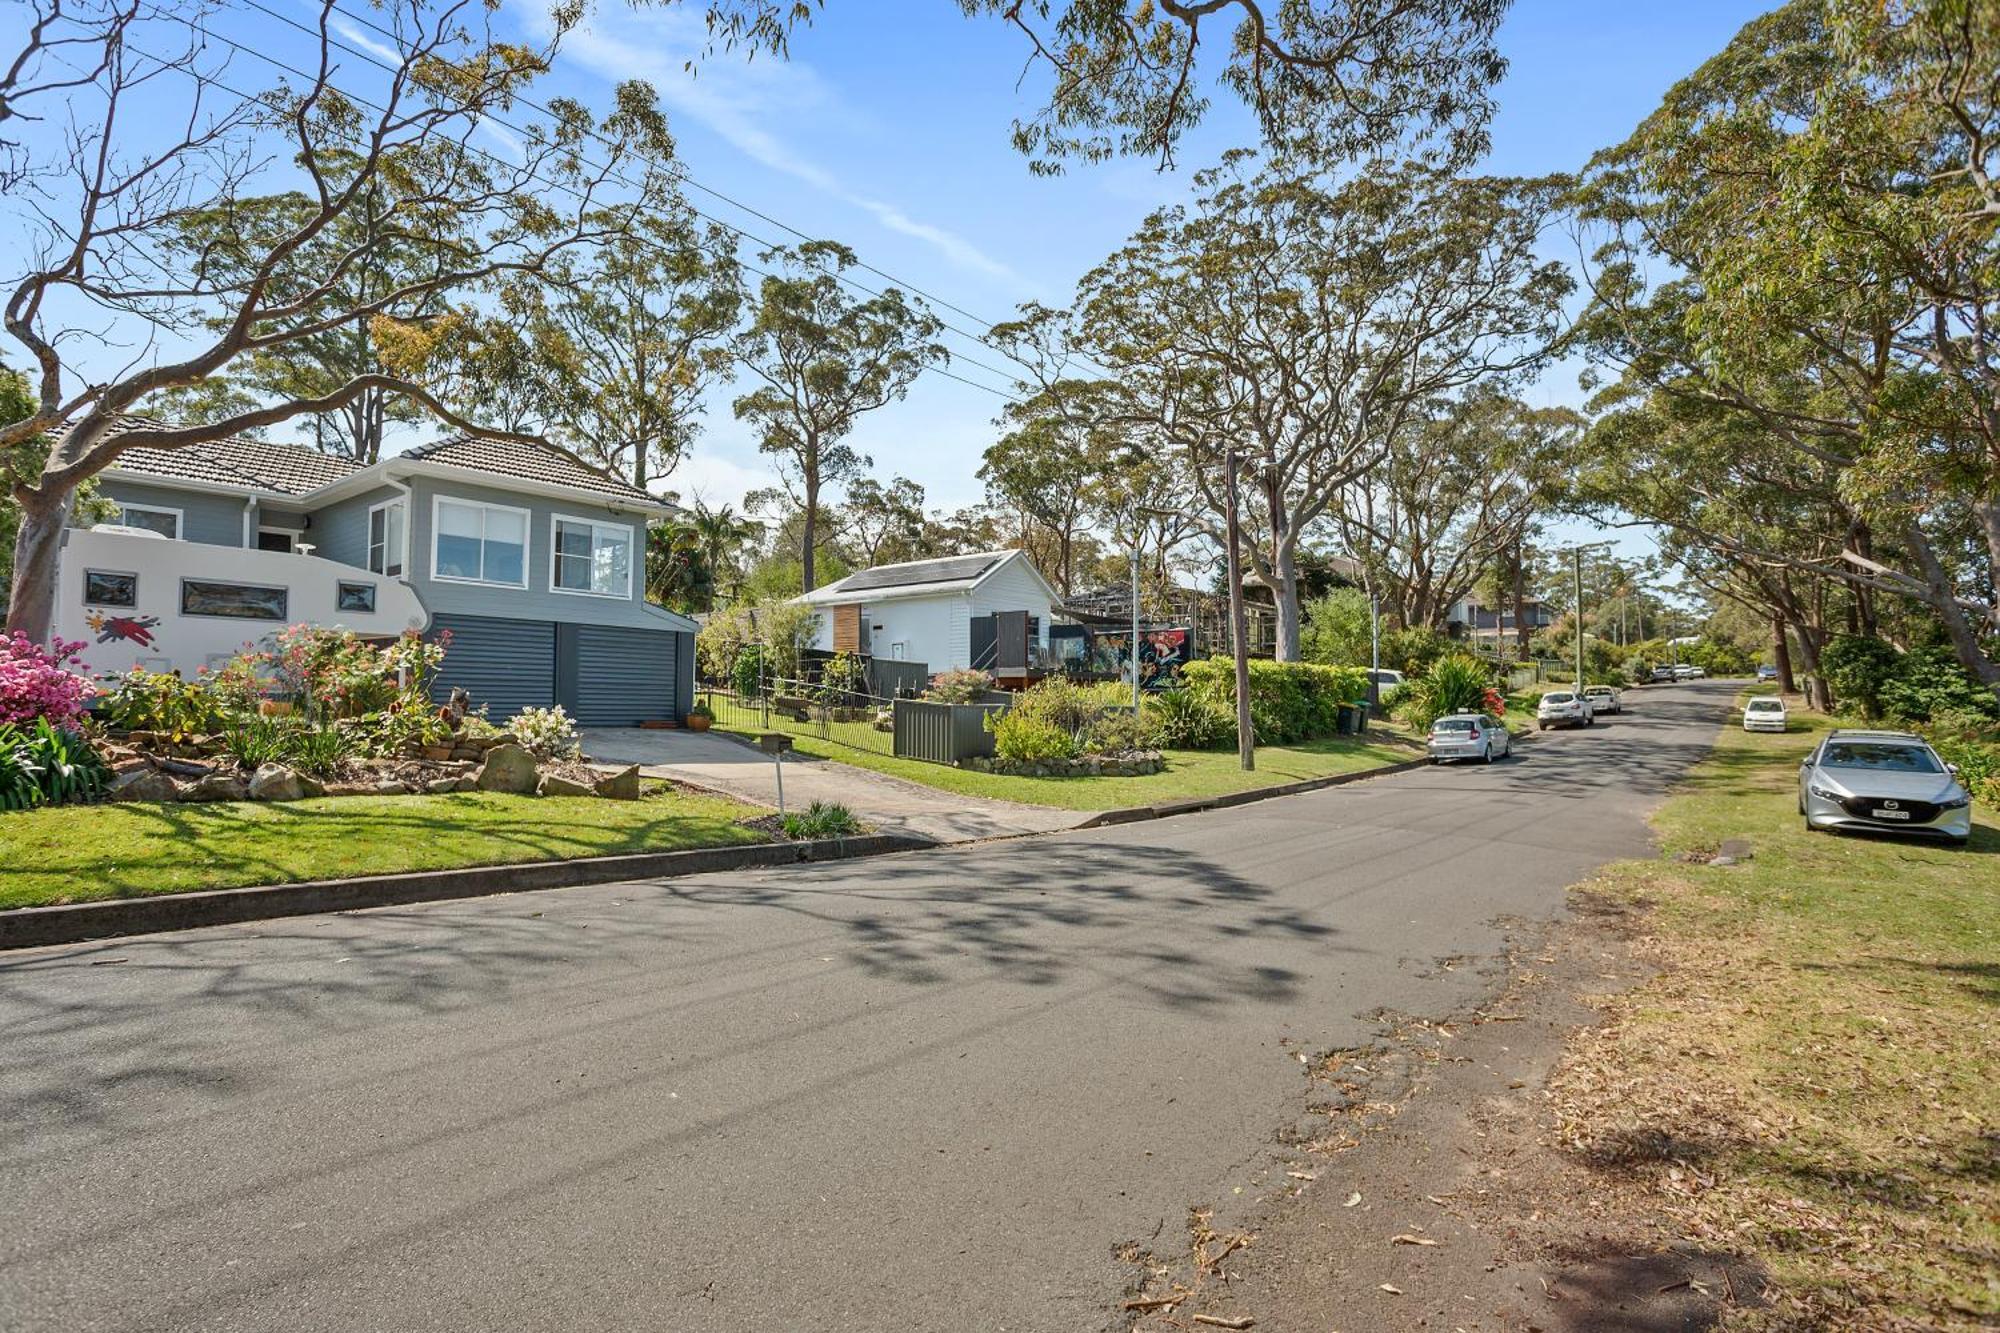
[674, 169]
[532, 176]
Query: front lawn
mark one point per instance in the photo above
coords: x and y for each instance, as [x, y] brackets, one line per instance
[1810, 1079]
[78, 853]
[1189, 773]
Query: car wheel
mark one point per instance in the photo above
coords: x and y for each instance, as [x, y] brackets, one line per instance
[1486, 755]
[1541, 726]
[1959, 844]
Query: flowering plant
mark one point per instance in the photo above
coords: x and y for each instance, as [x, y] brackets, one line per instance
[546, 733]
[37, 682]
[1493, 702]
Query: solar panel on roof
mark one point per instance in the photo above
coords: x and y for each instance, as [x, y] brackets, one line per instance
[951, 569]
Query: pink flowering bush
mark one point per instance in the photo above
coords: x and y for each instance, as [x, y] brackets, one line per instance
[37, 682]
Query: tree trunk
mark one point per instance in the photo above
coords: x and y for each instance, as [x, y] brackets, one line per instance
[811, 532]
[1285, 592]
[31, 601]
[1818, 694]
[1781, 654]
[1944, 600]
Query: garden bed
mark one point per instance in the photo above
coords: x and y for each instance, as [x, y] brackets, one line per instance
[1137, 764]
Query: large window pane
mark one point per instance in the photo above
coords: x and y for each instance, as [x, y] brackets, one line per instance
[385, 539]
[506, 546]
[460, 527]
[614, 561]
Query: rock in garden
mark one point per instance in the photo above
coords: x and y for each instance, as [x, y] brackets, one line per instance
[437, 754]
[391, 787]
[467, 783]
[275, 782]
[217, 787]
[311, 786]
[442, 786]
[555, 784]
[508, 768]
[143, 784]
[620, 786]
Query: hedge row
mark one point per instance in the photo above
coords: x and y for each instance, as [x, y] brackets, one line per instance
[1289, 701]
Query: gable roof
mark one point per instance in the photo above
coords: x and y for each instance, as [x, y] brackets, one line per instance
[922, 578]
[530, 462]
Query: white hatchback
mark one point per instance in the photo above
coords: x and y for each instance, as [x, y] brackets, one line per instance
[1765, 713]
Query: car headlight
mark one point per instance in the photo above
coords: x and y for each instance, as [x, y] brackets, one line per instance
[1958, 802]
[1823, 793]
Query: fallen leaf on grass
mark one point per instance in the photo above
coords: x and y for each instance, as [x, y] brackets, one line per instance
[1302, 1175]
[1405, 1238]
[1392, 1289]
[1352, 1199]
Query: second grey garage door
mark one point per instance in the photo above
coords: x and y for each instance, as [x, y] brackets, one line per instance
[507, 665]
[616, 677]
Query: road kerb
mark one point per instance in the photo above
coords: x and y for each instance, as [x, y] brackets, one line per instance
[70, 923]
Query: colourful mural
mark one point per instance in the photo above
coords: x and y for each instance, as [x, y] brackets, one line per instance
[128, 629]
[1162, 654]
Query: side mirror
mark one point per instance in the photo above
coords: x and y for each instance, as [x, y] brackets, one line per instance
[1953, 768]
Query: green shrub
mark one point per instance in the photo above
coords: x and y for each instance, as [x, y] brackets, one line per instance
[822, 819]
[1928, 682]
[316, 750]
[255, 741]
[841, 677]
[321, 751]
[161, 701]
[1411, 651]
[1336, 631]
[1857, 667]
[1289, 701]
[1183, 720]
[749, 674]
[45, 764]
[1455, 684]
[1021, 735]
[1117, 731]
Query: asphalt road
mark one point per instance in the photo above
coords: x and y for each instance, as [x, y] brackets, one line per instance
[930, 1091]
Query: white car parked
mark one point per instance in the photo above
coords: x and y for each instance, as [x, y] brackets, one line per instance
[1765, 713]
[1603, 699]
[1469, 736]
[1563, 708]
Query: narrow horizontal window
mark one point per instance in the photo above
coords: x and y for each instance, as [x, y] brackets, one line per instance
[233, 601]
[357, 597]
[103, 588]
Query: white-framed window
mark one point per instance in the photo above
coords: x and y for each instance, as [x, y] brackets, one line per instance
[475, 542]
[153, 518]
[388, 538]
[276, 539]
[589, 557]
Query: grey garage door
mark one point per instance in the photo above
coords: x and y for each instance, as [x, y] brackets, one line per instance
[506, 665]
[618, 677]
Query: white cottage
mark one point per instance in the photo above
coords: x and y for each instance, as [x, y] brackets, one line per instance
[990, 611]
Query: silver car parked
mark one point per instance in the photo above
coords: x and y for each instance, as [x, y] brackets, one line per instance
[1469, 736]
[1883, 780]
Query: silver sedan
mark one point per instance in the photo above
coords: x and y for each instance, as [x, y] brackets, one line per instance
[1469, 736]
[1883, 780]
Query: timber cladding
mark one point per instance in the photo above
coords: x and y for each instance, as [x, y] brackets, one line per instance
[847, 628]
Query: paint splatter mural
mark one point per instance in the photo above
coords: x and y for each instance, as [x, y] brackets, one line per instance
[127, 629]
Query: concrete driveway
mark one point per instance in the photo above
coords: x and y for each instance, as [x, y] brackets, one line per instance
[932, 1091]
[722, 763]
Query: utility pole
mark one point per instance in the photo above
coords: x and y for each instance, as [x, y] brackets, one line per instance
[1577, 555]
[1246, 752]
[1135, 621]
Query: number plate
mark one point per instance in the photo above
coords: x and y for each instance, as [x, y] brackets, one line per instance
[1891, 814]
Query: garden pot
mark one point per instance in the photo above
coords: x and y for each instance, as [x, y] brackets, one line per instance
[698, 723]
[274, 708]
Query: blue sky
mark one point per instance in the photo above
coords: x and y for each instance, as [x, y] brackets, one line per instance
[888, 130]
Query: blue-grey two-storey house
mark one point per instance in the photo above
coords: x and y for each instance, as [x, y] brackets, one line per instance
[533, 560]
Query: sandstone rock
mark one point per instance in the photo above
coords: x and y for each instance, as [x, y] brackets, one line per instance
[555, 784]
[620, 786]
[437, 754]
[468, 783]
[217, 787]
[143, 784]
[350, 788]
[311, 786]
[442, 786]
[508, 768]
[275, 782]
[391, 787]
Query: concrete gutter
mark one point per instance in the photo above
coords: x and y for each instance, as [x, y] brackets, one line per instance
[31, 927]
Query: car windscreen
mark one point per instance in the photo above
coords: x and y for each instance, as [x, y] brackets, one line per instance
[1452, 724]
[1767, 705]
[1878, 758]
[1557, 698]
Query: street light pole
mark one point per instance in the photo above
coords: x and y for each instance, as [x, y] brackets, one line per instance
[1246, 753]
[1578, 555]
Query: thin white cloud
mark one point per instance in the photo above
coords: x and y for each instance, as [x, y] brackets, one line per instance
[737, 101]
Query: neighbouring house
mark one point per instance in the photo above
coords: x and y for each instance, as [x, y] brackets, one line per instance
[532, 559]
[990, 611]
[1493, 623]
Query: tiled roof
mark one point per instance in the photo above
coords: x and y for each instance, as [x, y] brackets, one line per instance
[530, 462]
[949, 569]
[289, 469]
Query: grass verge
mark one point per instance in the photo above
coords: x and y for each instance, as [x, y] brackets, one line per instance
[1189, 773]
[82, 853]
[1810, 1077]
